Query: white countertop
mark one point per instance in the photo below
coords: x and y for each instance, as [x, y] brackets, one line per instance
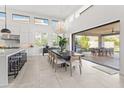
[9, 52]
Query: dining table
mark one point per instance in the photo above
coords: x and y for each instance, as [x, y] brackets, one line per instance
[66, 55]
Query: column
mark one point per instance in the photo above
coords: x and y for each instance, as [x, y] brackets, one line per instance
[100, 41]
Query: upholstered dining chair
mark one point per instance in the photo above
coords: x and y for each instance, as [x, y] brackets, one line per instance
[57, 61]
[49, 56]
[75, 60]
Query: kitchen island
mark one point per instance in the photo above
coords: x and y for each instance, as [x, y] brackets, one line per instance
[4, 59]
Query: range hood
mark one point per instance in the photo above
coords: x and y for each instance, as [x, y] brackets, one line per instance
[11, 37]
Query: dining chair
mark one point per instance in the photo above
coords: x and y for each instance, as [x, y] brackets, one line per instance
[106, 52]
[111, 51]
[94, 51]
[49, 56]
[57, 61]
[103, 51]
[75, 60]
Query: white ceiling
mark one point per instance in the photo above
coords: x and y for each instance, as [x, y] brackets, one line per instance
[57, 11]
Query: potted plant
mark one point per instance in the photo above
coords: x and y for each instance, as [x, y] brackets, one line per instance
[62, 43]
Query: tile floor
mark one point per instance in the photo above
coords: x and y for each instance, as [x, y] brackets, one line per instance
[38, 73]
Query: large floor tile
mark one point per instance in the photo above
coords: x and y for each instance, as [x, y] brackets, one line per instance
[38, 73]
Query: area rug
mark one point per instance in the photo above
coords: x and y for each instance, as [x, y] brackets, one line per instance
[106, 69]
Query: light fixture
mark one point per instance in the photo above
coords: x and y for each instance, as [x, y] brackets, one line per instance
[60, 28]
[5, 30]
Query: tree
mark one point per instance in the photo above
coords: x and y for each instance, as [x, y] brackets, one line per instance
[115, 40]
[84, 42]
[112, 39]
[40, 42]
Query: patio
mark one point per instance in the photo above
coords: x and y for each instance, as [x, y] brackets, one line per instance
[100, 45]
[108, 61]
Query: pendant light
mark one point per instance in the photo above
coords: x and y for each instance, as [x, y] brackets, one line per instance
[60, 28]
[5, 30]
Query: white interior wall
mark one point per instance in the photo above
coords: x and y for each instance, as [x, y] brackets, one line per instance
[99, 15]
[27, 31]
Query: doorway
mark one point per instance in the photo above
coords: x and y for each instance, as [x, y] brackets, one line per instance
[100, 44]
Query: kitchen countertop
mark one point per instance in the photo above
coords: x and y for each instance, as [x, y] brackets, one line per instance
[9, 52]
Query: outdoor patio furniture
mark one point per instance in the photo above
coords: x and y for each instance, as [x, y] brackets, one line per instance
[102, 51]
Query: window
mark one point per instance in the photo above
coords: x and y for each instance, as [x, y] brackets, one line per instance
[41, 39]
[2, 15]
[21, 18]
[41, 21]
[55, 39]
[84, 43]
[54, 23]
